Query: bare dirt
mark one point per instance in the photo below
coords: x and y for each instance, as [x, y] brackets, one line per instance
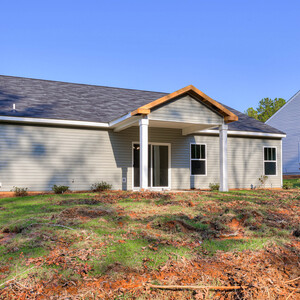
[270, 273]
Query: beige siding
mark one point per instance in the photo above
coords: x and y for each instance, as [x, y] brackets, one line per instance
[245, 162]
[38, 157]
[186, 109]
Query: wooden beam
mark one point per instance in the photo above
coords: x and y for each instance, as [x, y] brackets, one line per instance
[141, 111]
[229, 119]
[196, 287]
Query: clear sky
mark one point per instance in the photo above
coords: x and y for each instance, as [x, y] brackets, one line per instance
[235, 51]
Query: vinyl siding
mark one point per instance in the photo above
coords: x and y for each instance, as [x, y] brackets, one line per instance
[39, 157]
[246, 162]
[287, 120]
[186, 109]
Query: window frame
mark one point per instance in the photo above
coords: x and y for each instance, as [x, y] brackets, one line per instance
[200, 159]
[276, 160]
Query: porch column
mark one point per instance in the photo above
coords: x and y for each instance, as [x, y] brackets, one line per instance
[144, 123]
[223, 158]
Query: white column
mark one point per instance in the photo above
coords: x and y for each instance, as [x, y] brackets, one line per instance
[223, 158]
[144, 123]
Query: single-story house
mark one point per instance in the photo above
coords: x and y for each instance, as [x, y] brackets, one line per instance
[287, 119]
[77, 134]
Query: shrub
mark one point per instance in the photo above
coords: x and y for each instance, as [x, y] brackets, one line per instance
[101, 186]
[20, 192]
[287, 185]
[262, 179]
[214, 186]
[60, 189]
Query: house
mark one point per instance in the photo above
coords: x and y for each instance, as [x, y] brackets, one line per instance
[287, 119]
[75, 134]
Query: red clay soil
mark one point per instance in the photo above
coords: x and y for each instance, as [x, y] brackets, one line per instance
[237, 230]
[272, 273]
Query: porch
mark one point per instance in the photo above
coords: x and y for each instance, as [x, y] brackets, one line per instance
[162, 157]
[188, 110]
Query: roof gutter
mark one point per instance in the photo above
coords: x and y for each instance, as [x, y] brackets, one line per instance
[64, 122]
[245, 133]
[123, 118]
[53, 122]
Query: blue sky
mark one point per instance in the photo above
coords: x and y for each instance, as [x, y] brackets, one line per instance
[237, 52]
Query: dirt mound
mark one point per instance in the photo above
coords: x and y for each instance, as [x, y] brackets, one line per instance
[272, 273]
[79, 201]
[236, 230]
[117, 196]
[77, 212]
[171, 225]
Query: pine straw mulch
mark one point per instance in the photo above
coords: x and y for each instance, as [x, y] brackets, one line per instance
[271, 273]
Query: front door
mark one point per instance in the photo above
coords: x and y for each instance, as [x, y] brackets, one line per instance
[158, 165]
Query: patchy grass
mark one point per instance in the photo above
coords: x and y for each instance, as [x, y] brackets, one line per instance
[71, 240]
[212, 246]
[295, 182]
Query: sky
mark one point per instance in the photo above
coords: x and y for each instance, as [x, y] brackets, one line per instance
[235, 51]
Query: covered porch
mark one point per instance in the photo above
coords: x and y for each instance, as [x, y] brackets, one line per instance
[188, 110]
[152, 161]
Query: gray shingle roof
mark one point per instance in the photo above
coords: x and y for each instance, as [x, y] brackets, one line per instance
[81, 102]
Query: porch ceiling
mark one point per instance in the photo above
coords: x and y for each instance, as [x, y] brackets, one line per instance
[179, 125]
[187, 128]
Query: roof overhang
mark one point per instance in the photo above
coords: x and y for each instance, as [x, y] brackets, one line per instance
[127, 121]
[195, 93]
[43, 121]
[244, 133]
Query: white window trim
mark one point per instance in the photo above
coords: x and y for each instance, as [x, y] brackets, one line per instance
[158, 188]
[276, 161]
[198, 159]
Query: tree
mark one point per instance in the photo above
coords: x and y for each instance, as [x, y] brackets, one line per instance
[266, 109]
[251, 112]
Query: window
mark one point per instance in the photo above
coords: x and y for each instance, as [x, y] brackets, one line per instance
[198, 159]
[270, 160]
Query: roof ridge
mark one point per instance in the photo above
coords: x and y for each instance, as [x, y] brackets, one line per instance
[85, 84]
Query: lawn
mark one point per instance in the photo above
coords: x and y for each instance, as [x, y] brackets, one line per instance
[293, 182]
[114, 244]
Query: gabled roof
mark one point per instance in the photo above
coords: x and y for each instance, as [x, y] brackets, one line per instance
[284, 106]
[195, 93]
[36, 98]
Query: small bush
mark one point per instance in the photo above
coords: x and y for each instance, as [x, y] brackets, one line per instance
[214, 186]
[262, 179]
[20, 192]
[60, 189]
[101, 186]
[287, 185]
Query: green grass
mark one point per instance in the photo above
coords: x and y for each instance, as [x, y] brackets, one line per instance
[133, 253]
[294, 182]
[134, 233]
[212, 246]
